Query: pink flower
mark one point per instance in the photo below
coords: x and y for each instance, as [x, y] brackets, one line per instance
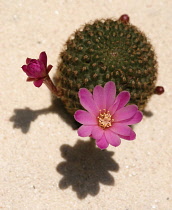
[37, 70]
[107, 119]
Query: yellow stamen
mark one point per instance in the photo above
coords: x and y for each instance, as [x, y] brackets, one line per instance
[105, 119]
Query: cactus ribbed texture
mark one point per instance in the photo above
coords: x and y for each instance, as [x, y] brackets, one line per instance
[107, 50]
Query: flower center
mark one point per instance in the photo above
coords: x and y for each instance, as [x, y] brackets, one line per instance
[105, 119]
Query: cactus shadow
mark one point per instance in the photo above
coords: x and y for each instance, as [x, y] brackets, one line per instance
[22, 118]
[85, 168]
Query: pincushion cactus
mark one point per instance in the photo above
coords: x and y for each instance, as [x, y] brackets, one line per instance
[107, 50]
[110, 53]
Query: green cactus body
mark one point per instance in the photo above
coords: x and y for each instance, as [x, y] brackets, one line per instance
[107, 50]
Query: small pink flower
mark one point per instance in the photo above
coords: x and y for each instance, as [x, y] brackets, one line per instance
[107, 119]
[37, 70]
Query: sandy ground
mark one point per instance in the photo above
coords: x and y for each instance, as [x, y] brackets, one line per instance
[43, 163]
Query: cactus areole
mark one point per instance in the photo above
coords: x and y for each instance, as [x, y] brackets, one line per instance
[107, 50]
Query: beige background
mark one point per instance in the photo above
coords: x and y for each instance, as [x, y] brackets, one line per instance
[43, 163]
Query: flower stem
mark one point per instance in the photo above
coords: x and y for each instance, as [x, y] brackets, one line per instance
[48, 82]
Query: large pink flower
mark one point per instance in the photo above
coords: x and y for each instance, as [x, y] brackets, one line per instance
[107, 119]
[36, 69]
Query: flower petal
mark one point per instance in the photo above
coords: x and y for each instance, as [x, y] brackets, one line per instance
[98, 96]
[112, 138]
[49, 68]
[24, 67]
[132, 136]
[38, 83]
[134, 119]
[120, 128]
[85, 130]
[114, 107]
[85, 118]
[43, 58]
[97, 132]
[86, 100]
[123, 98]
[30, 79]
[28, 60]
[125, 113]
[36, 69]
[109, 93]
[102, 143]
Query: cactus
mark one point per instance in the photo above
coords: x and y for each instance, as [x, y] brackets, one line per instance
[107, 50]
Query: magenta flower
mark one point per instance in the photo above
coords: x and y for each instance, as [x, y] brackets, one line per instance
[107, 119]
[36, 69]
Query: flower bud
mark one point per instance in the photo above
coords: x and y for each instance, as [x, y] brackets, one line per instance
[36, 69]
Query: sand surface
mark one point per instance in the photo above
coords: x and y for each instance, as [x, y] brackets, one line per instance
[43, 163]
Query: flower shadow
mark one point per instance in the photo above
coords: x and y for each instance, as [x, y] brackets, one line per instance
[22, 118]
[86, 166]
